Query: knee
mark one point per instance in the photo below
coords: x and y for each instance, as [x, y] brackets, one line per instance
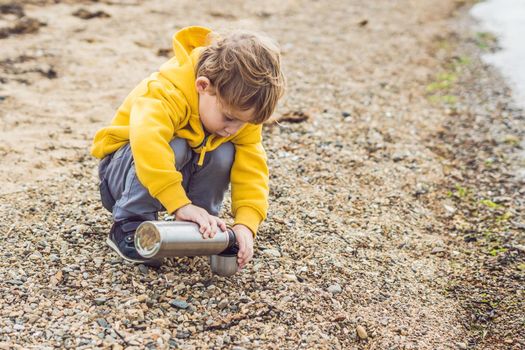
[221, 159]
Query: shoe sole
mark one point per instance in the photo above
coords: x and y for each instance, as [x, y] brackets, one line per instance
[115, 248]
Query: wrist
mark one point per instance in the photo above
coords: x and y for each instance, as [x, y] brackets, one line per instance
[244, 229]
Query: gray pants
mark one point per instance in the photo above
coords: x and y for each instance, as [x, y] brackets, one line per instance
[123, 194]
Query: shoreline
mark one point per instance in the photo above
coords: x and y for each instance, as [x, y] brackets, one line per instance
[482, 146]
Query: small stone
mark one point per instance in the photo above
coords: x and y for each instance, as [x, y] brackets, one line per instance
[223, 304]
[421, 188]
[519, 225]
[35, 256]
[519, 247]
[219, 342]
[399, 156]
[450, 209]
[18, 327]
[461, 346]
[361, 332]
[182, 334]
[339, 317]
[272, 252]
[180, 304]
[102, 323]
[97, 261]
[143, 269]
[437, 250]
[346, 114]
[290, 277]
[335, 289]
[15, 282]
[100, 301]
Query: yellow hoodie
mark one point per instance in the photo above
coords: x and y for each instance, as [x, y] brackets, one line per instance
[165, 106]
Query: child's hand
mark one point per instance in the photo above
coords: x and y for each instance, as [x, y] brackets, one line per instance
[245, 240]
[208, 224]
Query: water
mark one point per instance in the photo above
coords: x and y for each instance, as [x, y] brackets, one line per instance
[506, 19]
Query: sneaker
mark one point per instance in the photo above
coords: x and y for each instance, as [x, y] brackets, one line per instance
[121, 239]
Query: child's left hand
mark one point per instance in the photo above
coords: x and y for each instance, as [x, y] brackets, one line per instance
[245, 242]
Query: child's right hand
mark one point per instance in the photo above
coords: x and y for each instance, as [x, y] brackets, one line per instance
[208, 223]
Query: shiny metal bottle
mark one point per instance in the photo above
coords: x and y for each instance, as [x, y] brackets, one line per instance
[159, 239]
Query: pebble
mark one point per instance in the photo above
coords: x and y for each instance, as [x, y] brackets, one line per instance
[103, 323]
[290, 277]
[361, 332]
[421, 188]
[18, 327]
[53, 258]
[223, 304]
[100, 301]
[143, 269]
[335, 289]
[183, 334]
[272, 252]
[461, 346]
[180, 304]
[35, 256]
[519, 247]
[437, 250]
[15, 282]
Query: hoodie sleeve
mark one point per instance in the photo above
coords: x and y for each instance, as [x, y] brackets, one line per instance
[249, 179]
[153, 120]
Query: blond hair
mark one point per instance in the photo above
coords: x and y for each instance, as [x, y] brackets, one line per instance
[244, 69]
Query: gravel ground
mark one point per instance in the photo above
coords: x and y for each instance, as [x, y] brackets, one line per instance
[362, 248]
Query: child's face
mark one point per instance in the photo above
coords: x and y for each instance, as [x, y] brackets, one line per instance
[216, 118]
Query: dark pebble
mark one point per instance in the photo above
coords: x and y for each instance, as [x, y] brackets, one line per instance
[180, 304]
[346, 114]
[143, 268]
[183, 334]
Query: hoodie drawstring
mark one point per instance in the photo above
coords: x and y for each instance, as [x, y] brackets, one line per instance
[201, 156]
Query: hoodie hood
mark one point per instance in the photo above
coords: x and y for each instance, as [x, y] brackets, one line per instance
[188, 44]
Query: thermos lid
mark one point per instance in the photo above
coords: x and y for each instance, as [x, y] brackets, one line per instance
[224, 265]
[147, 240]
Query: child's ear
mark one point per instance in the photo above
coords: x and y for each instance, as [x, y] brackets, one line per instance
[202, 84]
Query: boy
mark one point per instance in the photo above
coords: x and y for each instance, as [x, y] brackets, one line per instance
[183, 134]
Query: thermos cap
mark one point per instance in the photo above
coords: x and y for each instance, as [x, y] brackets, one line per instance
[224, 265]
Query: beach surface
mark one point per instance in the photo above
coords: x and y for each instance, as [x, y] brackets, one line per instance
[396, 206]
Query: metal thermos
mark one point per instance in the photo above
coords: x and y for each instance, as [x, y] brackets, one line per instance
[160, 239]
